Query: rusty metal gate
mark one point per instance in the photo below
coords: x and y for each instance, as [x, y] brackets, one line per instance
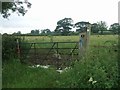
[53, 53]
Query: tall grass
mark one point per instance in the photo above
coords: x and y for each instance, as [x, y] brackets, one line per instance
[100, 64]
[17, 75]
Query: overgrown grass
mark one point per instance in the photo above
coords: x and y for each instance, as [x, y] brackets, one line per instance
[16, 75]
[99, 64]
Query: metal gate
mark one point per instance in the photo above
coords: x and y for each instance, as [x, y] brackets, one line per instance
[53, 53]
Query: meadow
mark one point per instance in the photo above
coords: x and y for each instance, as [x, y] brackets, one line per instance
[94, 38]
[98, 68]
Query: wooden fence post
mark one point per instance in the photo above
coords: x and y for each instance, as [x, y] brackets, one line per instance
[84, 41]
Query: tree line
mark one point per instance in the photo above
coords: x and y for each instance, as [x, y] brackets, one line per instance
[64, 27]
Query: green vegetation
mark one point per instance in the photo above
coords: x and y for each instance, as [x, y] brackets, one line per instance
[14, 7]
[65, 26]
[8, 47]
[17, 75]
[94, 39]
[48, 38]
[98, 69]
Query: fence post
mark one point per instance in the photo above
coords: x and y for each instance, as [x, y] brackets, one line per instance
[84, 41]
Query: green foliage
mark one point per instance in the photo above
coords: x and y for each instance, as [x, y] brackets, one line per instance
[8, 47]
[64, 26]
[102, 26]
[17, 75]
[115, 28]
[18, 33]
[94, 28]
[99, 27]
[35, 32]
[101, 67]
[81, 26]
[14, 7]
[98, 69]
[46, 32]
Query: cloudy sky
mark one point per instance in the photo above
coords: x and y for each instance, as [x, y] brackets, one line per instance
[45, 14]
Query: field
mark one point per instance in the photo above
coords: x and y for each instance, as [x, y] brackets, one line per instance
[94, 39]
[98, 68]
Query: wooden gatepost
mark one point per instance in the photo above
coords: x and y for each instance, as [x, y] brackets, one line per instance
[84, 38]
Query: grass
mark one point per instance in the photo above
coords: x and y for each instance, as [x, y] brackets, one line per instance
[48, 39]
[69, 38]
[94, 39]
[101, 39]
[99, 63]
[16, 75]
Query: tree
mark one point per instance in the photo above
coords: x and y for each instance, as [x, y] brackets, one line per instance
[45, 32]
[18, 7]
[94, 28]
[81, 26]
[64, 26]
[114, 28]
[32, 32]
[19, 32]
[58, 31]
[102, 26]
[35, 32]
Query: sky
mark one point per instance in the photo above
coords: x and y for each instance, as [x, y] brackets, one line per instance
[45, 13]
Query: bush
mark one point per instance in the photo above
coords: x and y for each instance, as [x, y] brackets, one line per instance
[93, 71]
[8, 47]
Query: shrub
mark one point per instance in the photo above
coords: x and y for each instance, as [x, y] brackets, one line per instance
[8, 47]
